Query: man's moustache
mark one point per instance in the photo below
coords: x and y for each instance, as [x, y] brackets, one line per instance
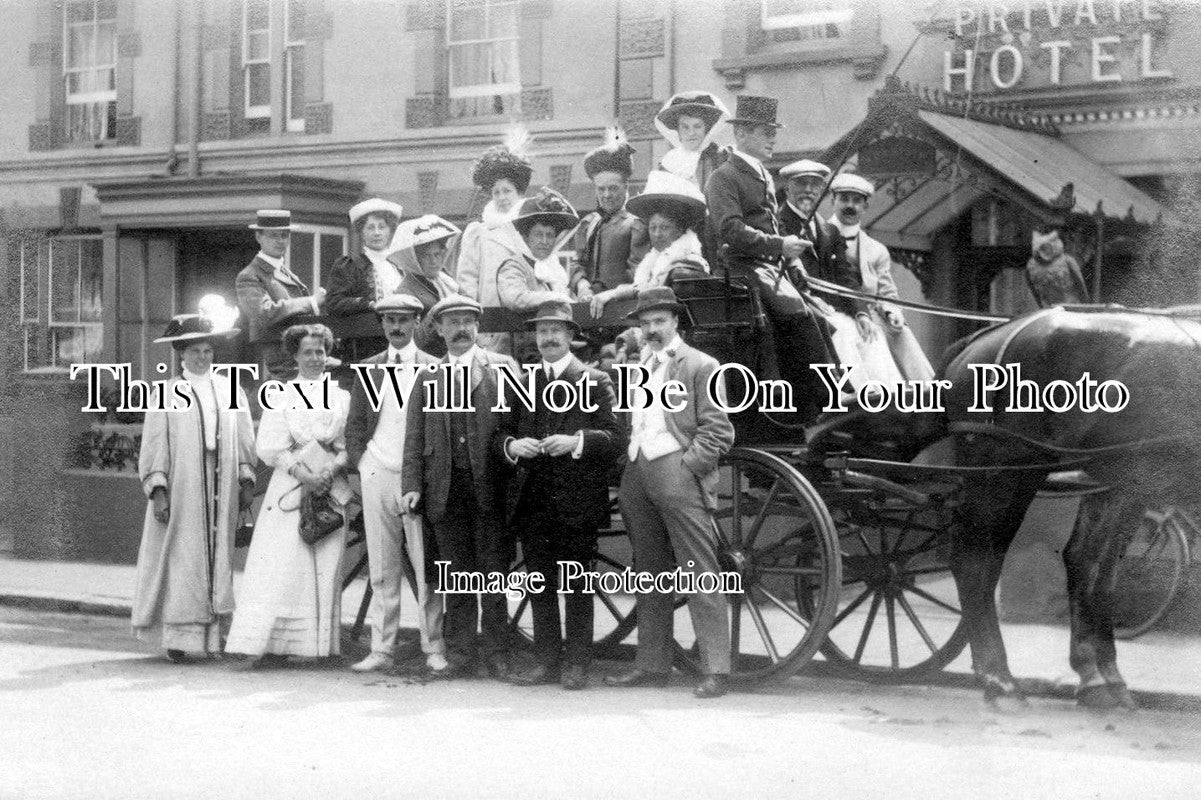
[461, 337]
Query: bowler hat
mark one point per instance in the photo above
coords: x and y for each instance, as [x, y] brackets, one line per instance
[398, 304]
[752, 110]
[455, 302]
[656, 297]
[553, 311]
[272, 219]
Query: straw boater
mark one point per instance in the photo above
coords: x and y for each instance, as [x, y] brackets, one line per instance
[610, 240]
[270, 294]
[451, 472]
[559, 497]
[668, 495]
[197, 469]
[423, 252]
[375, 441]
[852, 194]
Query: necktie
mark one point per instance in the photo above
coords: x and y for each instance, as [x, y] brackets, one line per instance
[394, 358]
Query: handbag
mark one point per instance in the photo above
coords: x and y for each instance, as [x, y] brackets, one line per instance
[245, 530]
[318, 518]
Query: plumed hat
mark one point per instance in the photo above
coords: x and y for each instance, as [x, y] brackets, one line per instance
[615, 155]
[548, 207]
[508, 160]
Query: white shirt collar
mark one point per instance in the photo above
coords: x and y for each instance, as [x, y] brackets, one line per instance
[405, 354]
[845, 230]
[661, 356]
[466, 359]
[558, 366]
[194, 378]
[278, 263]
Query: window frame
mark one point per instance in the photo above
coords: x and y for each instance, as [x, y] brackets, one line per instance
[482, 90]
[45, 328]
[840, 17]
[294, 55]
[319, 231]
[256, 111]
[106, 97]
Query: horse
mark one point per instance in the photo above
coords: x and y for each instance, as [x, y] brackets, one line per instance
[1146, 452]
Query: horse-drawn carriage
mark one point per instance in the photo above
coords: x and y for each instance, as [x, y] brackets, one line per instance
[843, 531]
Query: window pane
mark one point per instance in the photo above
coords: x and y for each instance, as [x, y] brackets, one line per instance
[79, 47]
[29, 280]
[64, 281]
[106, 9]
[332, 246]
[258, 46]
[91, 122]
[80, 11]
[91, 269]
[258, 85]
[467, 25]
[106, 44]
[300, 256]
[76, 345]
[296, 83]
[257, 14]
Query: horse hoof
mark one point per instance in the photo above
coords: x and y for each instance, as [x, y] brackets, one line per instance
[1003, 695]
[1122, 696]
[1096, 698]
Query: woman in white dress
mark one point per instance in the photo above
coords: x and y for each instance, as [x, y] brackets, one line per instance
[289, 600]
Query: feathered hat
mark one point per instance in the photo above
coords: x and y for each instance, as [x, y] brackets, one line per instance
[615, 155]
[508, 160]
[548, 207]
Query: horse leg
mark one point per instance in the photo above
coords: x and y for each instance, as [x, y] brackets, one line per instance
[1102, 529]
[991, 514]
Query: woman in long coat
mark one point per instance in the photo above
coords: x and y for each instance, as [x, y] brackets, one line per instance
[503, 172]
[289, 604]
[197, 469]
[534, 276]
[358, 280]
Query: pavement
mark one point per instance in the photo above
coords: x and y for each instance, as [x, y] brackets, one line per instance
[1163, 668]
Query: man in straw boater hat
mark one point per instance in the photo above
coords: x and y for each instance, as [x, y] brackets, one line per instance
[852, 194]
[559, 497]
[743, 217]
[197, 469]
[668, 495]
[452, 473]
[270, 294]
[375, 441]
[610, 241]
[423, 247]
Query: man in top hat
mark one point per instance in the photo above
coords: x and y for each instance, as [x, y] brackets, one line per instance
[609, 242]
[873, 263]
[452, 468]
[375, 447]
[560, 492]
[270, 294]
[743, 218]
[668, 495]
[423, 252]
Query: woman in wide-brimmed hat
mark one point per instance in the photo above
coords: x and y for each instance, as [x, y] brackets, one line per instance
[535, 276]
[504, 172]
[357, 281]
[289, 601]
[674, 212]
[197, 469]
[688, 121]
[422, 252]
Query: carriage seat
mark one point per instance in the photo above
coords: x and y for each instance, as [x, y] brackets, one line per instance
[716, 302]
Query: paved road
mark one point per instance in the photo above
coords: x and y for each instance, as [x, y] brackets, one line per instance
[87, 712]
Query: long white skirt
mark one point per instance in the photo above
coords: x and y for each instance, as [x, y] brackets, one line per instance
[290, 597]
[872, 360]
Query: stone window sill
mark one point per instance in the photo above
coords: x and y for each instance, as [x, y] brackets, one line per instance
[865, 58]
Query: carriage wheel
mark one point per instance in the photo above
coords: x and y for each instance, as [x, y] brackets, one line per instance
[899, 616]
[613, 616]
[1149, 572]
[776, 533]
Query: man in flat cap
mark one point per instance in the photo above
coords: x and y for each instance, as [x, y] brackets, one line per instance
[609, 242]
[270, 294]
[375, 447]
[452, 469]
[743, 217]
[560, 493]
[852, 194]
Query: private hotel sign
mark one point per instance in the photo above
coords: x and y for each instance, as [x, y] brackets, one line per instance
[1042, 44]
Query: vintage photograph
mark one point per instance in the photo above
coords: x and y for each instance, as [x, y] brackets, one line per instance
[600, 398]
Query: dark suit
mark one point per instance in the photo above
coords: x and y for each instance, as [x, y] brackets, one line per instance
[449, 458]
[268, 304]
[350, 290]
[667, 505]
[560, 502]
[828, 259]
[742, 215]
[608, 249]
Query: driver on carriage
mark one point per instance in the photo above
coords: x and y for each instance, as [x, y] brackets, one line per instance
[743, 216]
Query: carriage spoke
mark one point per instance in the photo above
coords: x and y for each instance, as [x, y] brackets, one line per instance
[609, 604]
[604, 559]
[922, 593]
[813, 572]
[867, 628]
[917, 624]
[736, 508]
[890, 611]
[757, 618]
[762, 515]
[858, 601]
[735, 628]
[780, 604]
